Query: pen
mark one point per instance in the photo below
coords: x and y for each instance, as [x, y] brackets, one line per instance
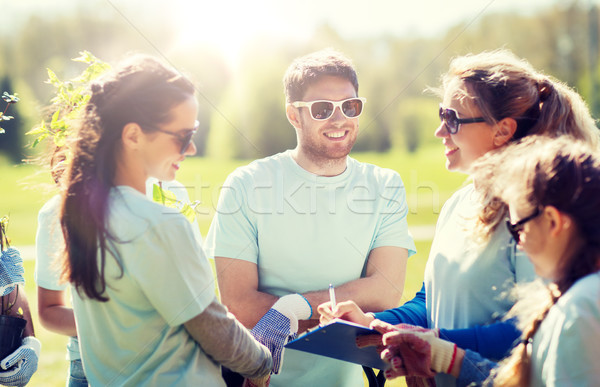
[332, 296]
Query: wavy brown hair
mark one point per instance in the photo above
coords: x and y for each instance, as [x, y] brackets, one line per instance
[306, 70]
[502, 85]
[141, 90]
[537, 172]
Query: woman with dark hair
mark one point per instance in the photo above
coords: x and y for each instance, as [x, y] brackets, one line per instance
[552, 189]
[489, 100]
[143, 297]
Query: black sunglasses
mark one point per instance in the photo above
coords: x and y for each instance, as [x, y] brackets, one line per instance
[186, 139]
[323, 109]
[450, 117]
[516, 228]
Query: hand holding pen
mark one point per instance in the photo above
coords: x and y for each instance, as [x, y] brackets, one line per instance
[345, 310]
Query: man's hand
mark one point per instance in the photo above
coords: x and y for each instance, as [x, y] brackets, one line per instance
[280, 325]
[19, 366]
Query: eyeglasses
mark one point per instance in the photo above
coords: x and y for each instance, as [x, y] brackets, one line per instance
[450, 117]
[321, 110]
[186, 139]
[515, 229]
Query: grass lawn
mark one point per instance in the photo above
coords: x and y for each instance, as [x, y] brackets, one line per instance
[26, 188]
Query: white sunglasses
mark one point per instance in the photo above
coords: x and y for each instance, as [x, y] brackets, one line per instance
[322, 109]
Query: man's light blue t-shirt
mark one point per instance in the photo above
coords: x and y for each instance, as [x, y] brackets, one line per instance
[306, 231]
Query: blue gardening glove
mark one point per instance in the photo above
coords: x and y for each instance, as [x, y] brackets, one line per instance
[18, 367]
[11, 270]
[280, 325]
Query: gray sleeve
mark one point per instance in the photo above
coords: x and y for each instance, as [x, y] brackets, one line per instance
[229, 343]
[475, 369]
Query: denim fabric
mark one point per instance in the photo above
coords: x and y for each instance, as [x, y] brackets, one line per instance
[76, 375]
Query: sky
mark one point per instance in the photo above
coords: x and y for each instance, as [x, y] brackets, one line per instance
[228, 24]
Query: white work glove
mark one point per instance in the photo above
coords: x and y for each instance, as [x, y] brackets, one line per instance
[11, 270]
[280, 325]
[443, 353]
[18, 367]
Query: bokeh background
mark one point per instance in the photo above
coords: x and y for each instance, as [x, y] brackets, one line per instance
[236, 52]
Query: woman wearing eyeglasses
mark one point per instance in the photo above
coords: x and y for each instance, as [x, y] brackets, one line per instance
[143, 291]
[489, 100]
[552, 188]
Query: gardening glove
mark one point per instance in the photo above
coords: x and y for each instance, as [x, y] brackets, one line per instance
[280, 325]
[417, 353]
[11, 270]
[443, 353]
[19, 366]
[411, 362]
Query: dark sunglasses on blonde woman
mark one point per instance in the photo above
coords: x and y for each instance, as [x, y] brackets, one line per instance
[450, 118]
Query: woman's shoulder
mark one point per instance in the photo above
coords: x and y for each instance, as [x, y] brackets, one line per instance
[582, 300]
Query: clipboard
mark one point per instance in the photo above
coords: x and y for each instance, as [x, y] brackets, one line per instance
[338, 340]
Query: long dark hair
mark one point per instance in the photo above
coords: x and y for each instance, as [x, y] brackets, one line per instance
[539, 172]
[141, 90]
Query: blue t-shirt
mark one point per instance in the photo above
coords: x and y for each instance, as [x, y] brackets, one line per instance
[306, 231]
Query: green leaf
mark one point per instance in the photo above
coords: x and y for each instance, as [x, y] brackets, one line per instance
[188, 212]
[54, 122]
[168, 199]
[37, 130]
[85, 57]
[60, 139]
[52, 78]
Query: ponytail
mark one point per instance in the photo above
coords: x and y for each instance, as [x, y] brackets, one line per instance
[142, 90]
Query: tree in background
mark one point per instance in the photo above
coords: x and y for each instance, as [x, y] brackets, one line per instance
[11, 127]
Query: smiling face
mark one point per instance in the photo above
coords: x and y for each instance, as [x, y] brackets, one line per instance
[161, 152]
[322, 143]
[472, 140]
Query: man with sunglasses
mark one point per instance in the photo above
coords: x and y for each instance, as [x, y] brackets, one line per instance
[289, 225]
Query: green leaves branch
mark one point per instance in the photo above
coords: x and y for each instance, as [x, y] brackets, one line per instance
[69, 100]
[168, 199]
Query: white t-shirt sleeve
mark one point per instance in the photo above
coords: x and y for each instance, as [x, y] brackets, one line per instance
[49, 244]
[173, 271]
[393, 227]
[575, 356]
[233, 231]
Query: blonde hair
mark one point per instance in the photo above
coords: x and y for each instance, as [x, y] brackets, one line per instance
[537, 172]
[502, 85]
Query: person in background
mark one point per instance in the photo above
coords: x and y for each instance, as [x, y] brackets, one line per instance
[289, 225]
[551, 187]
[490, 100]
[143, 291]
[16, 368]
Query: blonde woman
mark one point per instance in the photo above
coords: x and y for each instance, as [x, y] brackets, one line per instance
[489, 100]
